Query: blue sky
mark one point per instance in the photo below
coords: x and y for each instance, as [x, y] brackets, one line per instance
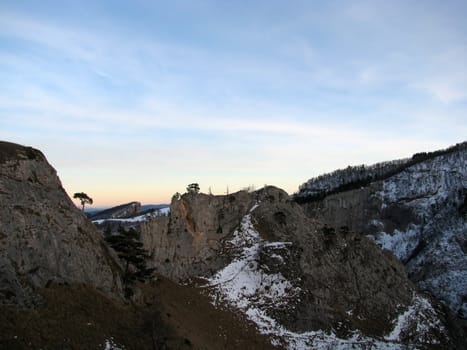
[133, 100]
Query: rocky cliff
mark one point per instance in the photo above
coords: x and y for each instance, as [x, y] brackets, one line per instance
[418, 214]
[303, 283]
[187, 243]
[44, 238]
[58, 281]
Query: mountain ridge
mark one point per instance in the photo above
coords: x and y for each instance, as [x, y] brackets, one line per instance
[356, 176]
[301, 275]
[417, 214]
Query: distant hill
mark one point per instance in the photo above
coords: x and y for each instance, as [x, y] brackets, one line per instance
[128, 215]
[123, 211]
[147, 207]
[118, 212]
[93, 211]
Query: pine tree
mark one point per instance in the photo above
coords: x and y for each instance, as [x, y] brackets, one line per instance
[193, 188]
[130, 251]
[83, 198]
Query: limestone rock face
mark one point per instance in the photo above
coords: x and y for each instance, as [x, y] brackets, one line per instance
[418, 214]
[339, 272]
[44, 238]
[304, 283]
[187, 243]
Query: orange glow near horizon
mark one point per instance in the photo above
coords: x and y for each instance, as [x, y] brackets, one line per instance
[109, 198]
[112, 196]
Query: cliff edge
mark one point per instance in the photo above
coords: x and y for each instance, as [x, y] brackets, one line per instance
[44, 238]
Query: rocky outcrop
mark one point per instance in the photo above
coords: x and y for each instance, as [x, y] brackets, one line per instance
[296, 278]
[44, 238]
[418, 214]
[187, 243]
[341, 273]
[305, 284]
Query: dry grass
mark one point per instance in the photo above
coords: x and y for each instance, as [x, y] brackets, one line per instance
[167, 316]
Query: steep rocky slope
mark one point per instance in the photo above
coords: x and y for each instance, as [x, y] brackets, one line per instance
[186, 243]
[419, 215]
[303, 284]
[44, 238]
[60, 285]
[167, 316]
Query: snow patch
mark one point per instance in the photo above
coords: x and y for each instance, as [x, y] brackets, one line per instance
[277, 244]
[422, 315]
[400, 243]
[243, 279]
[111, 345]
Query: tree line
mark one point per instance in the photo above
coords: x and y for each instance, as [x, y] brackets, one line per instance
[354, 177]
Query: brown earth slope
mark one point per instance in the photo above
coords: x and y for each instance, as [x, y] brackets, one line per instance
[168, 316]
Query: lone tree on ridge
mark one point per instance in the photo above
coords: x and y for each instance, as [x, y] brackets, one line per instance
[84, 199]
[193, 188]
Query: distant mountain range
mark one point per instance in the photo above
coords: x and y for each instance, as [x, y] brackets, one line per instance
[115, 211]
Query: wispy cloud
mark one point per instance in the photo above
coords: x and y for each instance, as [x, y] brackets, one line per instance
[271, 94]
[448, 81]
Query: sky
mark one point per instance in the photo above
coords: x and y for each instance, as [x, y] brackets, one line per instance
[134, 100]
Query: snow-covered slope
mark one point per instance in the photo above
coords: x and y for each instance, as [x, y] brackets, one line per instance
[251, 286]
[434, 245]
[419, 214]
[354, 177]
